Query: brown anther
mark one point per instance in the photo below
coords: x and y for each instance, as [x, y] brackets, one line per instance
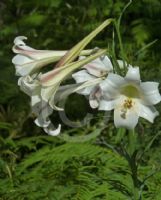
[103, 73]
[128, 104]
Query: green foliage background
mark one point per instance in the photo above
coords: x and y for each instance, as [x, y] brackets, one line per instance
[35, 166]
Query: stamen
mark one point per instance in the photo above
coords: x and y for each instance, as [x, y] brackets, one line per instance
[103, 73]
[128, 104]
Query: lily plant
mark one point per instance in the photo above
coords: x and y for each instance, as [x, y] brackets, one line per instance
[128, 96]
[97, 75]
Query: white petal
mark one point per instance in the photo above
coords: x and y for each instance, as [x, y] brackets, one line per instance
[65, 90]
[121, 64]
[19, 40]
[95, 67]
[52, 101]
[24, 50]
[42, 110]
[86, 91]
[47, 125]
[107, 63]
[48, 95]
[112, 84]
[95, 96]
[129, 122]
[41, 122]
[99, 66]
[21, 60]
[133, 74]
[23, 65]
[86, 87]
[94, 103]
[29, 85]
[82, 76]
[150, 92]
[126, 117]
[107, 105]
[53, 132]
[23, 71]
[40, 54]
[47, 92]
[148, 112]
[35, 99]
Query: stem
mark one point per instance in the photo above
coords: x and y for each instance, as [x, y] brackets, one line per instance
[132, 163]
[120, 43]
[130, 155]
[132, 136]
[134, 175]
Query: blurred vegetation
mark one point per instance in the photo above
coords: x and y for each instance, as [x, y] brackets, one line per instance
[35, 166]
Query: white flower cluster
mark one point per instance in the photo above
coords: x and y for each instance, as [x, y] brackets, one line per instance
[128, 96]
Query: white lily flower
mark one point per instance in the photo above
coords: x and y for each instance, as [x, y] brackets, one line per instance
[130, 98]
[28, 60]
[98, 68]
[40, 108]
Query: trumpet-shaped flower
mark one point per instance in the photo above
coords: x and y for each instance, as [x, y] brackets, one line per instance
[98, 68]
[130, 98]
[28, 60]
[40, 108]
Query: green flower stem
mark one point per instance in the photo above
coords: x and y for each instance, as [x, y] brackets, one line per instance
[132, 139]
[132, 153]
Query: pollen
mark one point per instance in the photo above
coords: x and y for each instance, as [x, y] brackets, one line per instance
[128, 104]
[103, 73]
